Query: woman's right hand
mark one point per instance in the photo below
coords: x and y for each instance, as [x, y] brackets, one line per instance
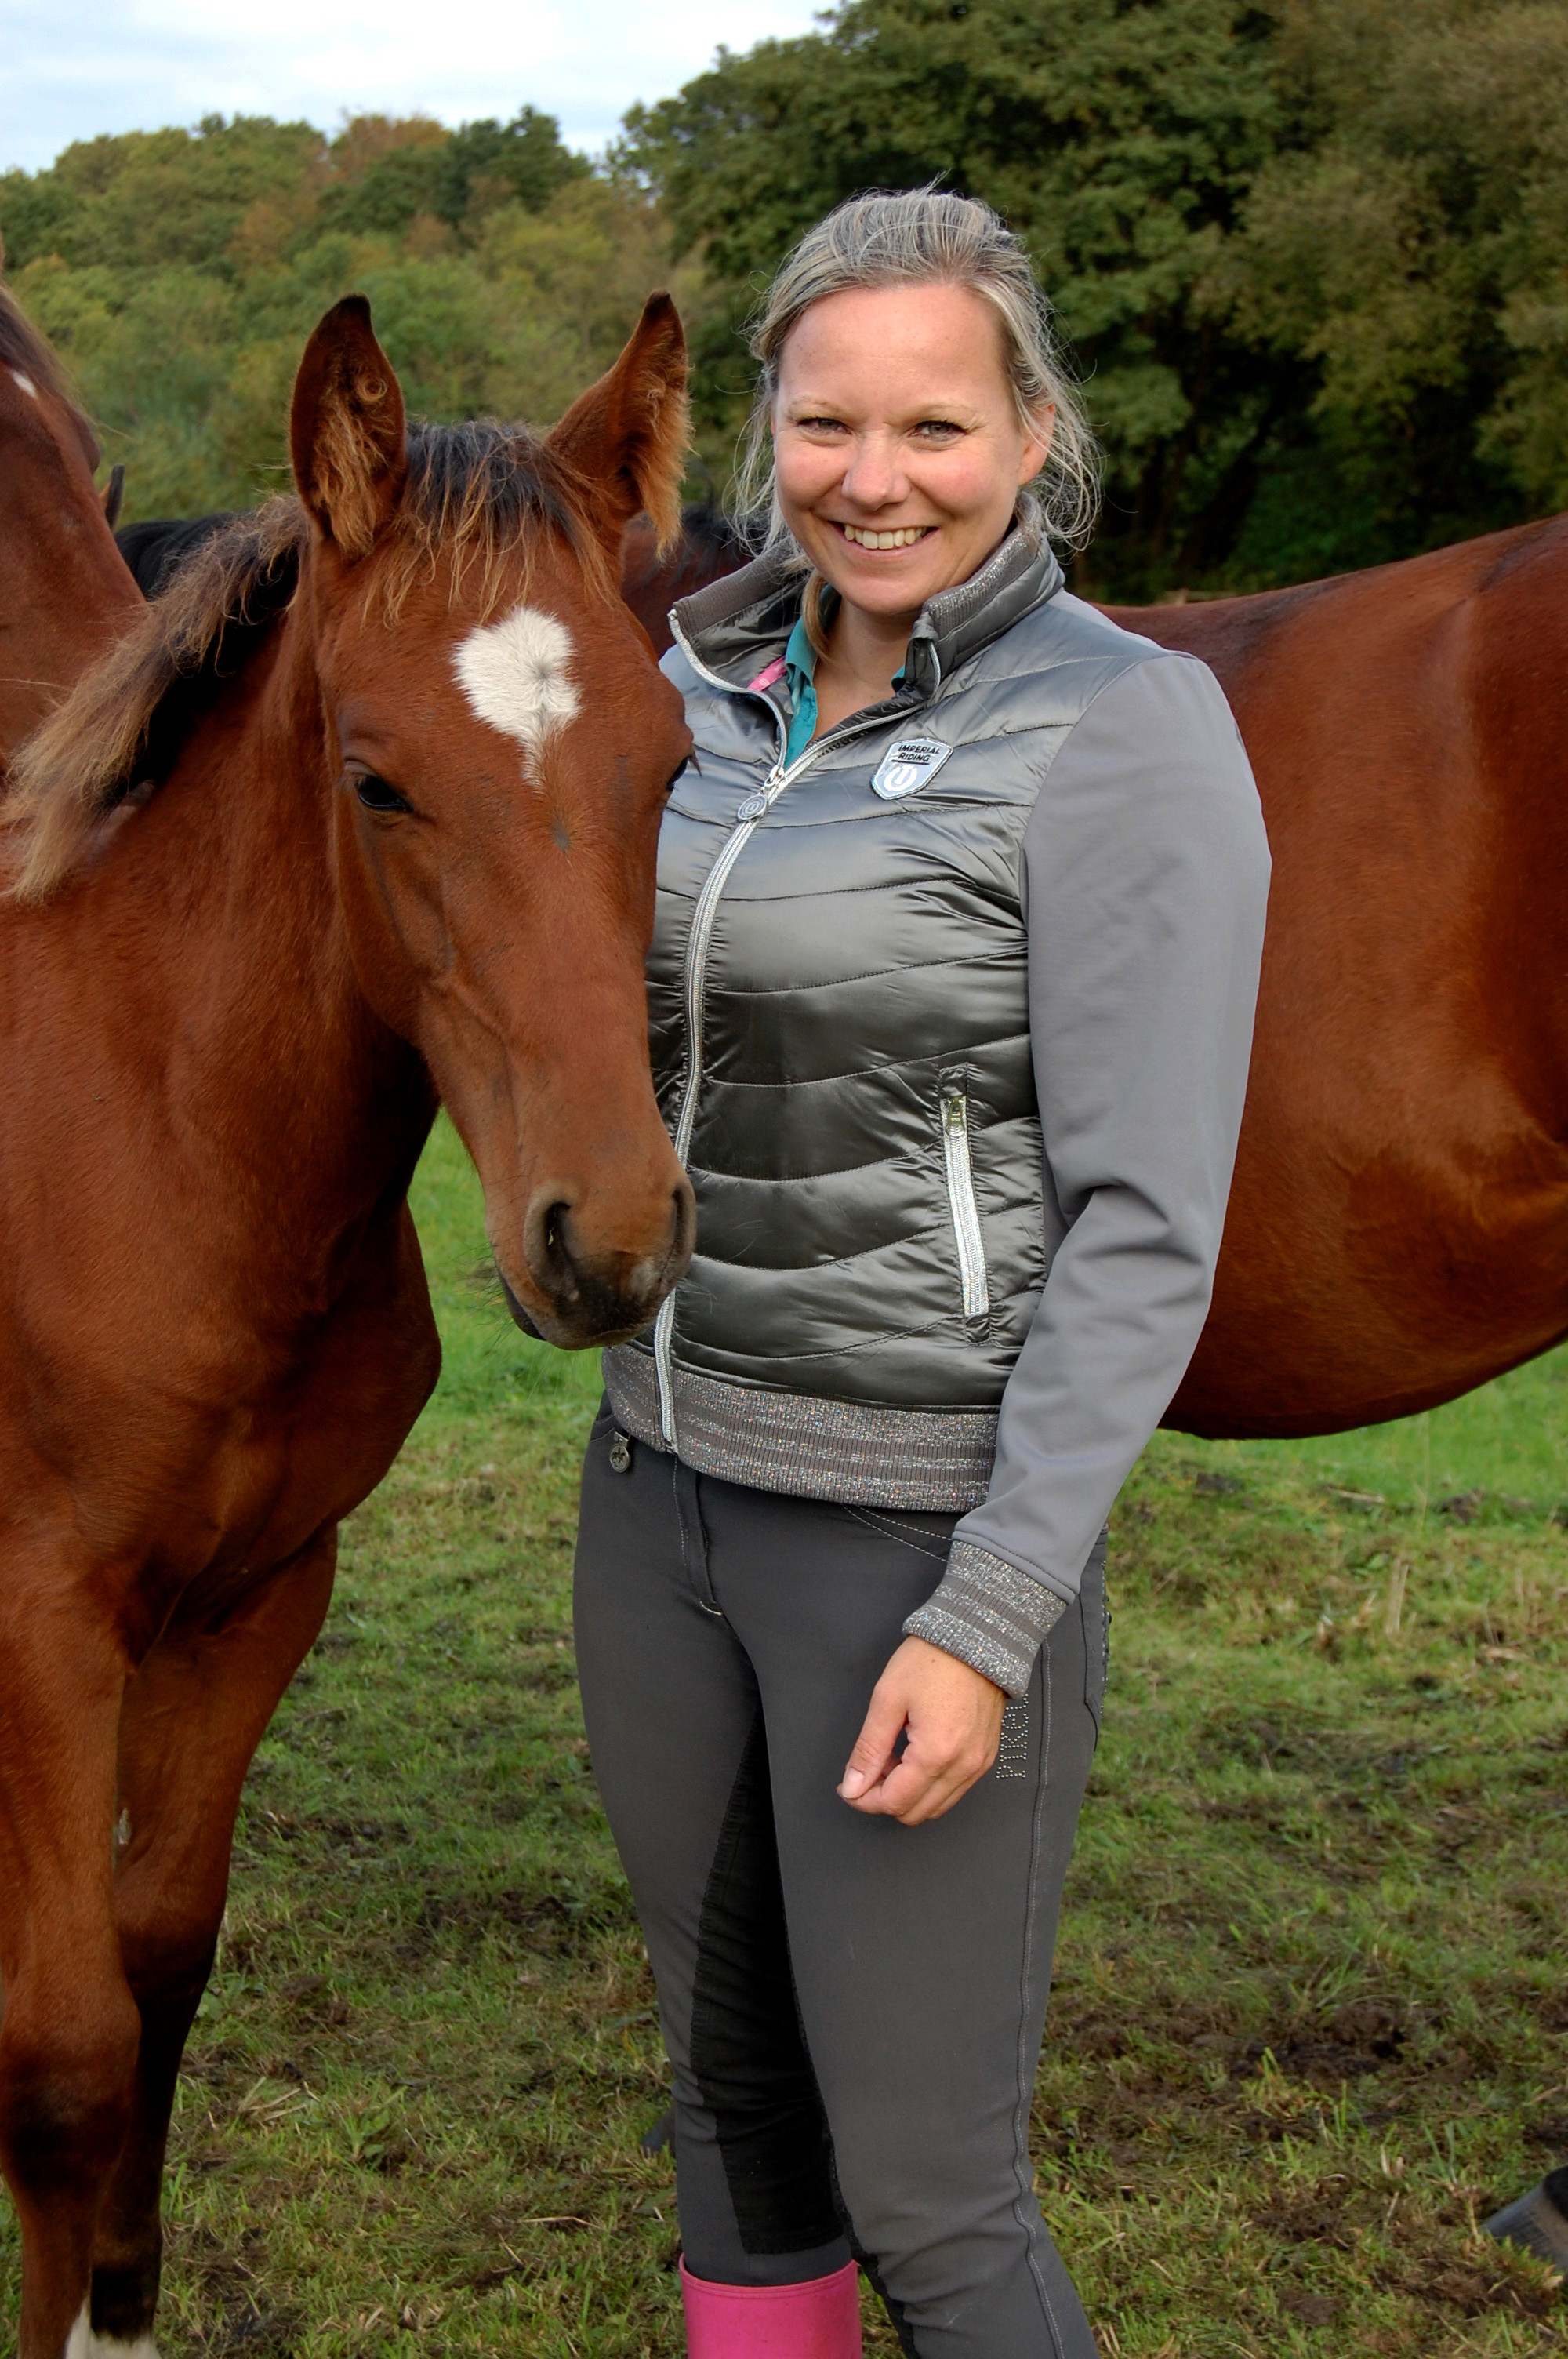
[952, 1717]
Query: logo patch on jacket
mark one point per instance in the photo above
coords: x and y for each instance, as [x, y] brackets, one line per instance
[906, 767]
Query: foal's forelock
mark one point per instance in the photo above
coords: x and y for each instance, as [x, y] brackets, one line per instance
[482, 501]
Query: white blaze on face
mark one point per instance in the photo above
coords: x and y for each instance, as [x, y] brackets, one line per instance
[26, 382]
[517, 675]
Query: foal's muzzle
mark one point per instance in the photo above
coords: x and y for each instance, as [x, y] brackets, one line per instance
[592, 1289]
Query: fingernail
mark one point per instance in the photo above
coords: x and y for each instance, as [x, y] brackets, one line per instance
[854, 1784]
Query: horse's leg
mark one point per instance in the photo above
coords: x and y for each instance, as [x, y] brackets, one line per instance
[69, 2035]
[192, 1716]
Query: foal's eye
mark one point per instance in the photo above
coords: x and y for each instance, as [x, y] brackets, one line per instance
[376, 793]
[673, 781]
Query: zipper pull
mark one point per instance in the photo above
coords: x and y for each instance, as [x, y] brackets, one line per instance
[956, 1112]
[756, 805]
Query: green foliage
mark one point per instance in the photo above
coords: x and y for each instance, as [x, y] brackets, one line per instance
[1311, 258]
[459, 178]
[1414, 249]
[181, 273]
[1310, 255]
[152, 198]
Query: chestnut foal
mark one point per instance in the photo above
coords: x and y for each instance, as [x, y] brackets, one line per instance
[362, 816]
[65, 591]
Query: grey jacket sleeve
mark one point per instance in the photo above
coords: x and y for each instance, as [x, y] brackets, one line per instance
[1146, 881]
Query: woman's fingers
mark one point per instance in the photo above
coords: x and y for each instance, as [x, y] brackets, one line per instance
[880, 1732]
[919, 1787]
[951, 1717]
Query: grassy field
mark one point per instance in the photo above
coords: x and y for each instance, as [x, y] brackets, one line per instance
[1310, 2013]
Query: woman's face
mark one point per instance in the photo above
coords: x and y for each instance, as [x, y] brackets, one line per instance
[897, 444]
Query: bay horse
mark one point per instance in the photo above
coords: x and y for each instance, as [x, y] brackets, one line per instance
[362, 816]
[65, 589]
[1398, 1227]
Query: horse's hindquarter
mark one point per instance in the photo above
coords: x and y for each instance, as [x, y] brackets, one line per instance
[1397, 1228]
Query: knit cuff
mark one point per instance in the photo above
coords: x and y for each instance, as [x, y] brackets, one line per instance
[989, 1614]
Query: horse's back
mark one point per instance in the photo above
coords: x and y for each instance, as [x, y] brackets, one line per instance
[1399, 1225]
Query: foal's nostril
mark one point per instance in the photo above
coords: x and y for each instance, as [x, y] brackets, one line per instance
[601, 1286]
[547, 1251]
[682, 1241]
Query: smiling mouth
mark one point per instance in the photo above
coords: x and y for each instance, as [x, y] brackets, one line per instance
[905, 536]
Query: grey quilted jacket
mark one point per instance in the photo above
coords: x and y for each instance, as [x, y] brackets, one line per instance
[950, 1022]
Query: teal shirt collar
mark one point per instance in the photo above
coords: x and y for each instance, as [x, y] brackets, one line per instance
[800, 678]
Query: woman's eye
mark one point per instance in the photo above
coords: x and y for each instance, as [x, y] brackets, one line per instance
[937, 430]
[376, 794]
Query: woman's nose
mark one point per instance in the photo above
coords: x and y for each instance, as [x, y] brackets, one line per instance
[874, 477]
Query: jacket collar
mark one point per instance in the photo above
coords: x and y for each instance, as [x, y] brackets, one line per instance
[736, 624]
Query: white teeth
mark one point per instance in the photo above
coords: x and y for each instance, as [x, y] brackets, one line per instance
[904, 537]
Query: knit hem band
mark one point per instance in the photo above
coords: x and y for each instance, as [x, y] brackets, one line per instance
[858, 1454]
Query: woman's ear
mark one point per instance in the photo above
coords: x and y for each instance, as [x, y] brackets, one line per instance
[1037, 448]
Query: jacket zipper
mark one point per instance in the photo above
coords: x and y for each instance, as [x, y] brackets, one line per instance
[961, 1198]
[749, 817]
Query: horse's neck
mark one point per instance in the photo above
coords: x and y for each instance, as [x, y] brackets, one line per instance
[65, 589]
[311, 1110]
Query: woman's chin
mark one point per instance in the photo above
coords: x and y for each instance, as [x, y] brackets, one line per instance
[897, 582]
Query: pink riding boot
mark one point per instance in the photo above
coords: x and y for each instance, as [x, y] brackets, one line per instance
[819, 2320]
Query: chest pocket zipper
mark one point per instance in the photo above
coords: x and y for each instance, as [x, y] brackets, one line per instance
[961, 1201]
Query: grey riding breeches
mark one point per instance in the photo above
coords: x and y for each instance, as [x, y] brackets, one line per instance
[852, 2008]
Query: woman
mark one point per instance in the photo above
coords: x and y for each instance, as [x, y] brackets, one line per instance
[960, 909]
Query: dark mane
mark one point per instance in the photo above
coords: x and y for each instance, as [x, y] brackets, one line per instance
[710, 546]
[479, 494]
[157, 547]
[482, 493]
[713, 537]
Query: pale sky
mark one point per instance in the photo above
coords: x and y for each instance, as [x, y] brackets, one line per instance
[71, 68]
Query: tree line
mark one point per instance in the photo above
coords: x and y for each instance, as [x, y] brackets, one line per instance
[1311, 259]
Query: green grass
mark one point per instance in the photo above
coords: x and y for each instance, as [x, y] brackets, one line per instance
[1310, 2008]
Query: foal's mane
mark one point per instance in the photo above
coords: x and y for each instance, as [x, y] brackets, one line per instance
[480, 495]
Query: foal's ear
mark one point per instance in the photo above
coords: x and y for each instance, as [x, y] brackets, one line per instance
[626, 436]
[346, 431]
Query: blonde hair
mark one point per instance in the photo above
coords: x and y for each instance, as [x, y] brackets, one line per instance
[926, 237]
